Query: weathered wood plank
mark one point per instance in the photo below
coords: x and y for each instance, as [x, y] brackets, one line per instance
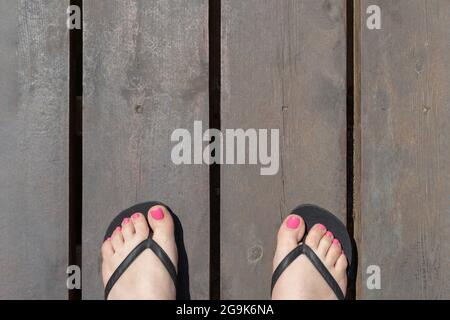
[284, 67]
[405, 180]
[34, 107]
[145, 74]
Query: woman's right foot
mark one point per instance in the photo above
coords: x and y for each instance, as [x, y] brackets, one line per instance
[146, 278]
[301, 280]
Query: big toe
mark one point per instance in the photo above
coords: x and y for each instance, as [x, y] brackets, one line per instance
[290, 234]
[162, 225]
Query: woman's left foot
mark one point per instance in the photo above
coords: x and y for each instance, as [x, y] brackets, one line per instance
[301, 280]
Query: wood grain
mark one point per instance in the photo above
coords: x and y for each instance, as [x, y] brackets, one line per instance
[283, 67]
[405, 177]
[34, 107]
[145, 75]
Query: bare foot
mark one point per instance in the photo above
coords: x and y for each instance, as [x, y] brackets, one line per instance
[301, 280]
[146, 278]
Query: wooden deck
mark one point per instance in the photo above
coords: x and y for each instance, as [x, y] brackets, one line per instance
[404, 216]
[362, 115]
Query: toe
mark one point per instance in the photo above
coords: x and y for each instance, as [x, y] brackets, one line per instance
[315, 235]
[107, 249]
[117, 239]
[290, 233]
[341, 263]
[140, 224]
[127, 229]
[333, 253]
[325, 243]
[161, 222]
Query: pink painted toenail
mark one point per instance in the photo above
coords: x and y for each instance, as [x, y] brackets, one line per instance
[126, 220]
[321, 227]
[135, 216]
[118, 229]
[293, 222]
[336, 241]
[109, 239]
[329, 234]
[157, 213]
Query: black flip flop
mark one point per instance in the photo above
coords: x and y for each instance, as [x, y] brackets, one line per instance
[312, 215]
[152, 245]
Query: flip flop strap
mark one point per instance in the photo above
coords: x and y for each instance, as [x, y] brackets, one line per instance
[317, 263]
[146, 244]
